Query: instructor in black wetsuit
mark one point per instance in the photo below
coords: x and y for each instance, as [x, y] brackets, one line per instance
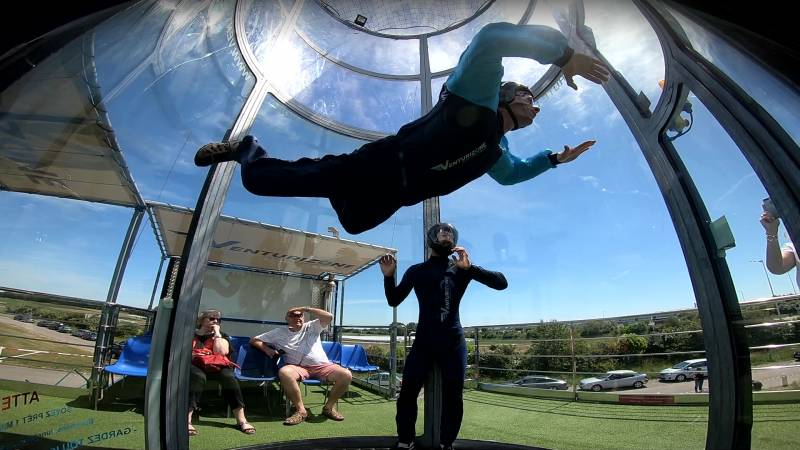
[459, 140]
[439, 284]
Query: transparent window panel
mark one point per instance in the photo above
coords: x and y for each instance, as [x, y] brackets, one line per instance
[733, 196]
[190, 98]
[436, 88]
[129, 39]
[444, 49]
[360, 101]
[589, 240]
[351, 46]
[524, 70]
[245, 297]
[732, 192]
[774, 95]
[628, 42]
[264, 21]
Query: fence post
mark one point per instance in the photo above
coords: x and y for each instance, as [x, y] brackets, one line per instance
[393, 356]
[477, 355]
[574, 362]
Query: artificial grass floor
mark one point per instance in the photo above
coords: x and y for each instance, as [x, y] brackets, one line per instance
[487, 416]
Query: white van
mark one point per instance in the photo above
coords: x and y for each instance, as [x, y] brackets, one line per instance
[684, 370]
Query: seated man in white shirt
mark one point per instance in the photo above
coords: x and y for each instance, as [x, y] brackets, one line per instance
[304, 358]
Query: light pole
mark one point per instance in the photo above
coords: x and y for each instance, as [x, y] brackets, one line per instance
[766, 274]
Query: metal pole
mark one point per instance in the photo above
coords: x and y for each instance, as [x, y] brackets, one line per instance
[341, 315]
[108, 318]
[477, 354]
[766, 274]
[574, 363]
[155, 284]
[393, 355]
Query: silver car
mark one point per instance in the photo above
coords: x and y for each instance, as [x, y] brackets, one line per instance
[382, 379]
[539, 381]
[684, 370]
[614, 379]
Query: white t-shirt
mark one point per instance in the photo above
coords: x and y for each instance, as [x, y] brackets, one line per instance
[790, 247]
[302, 347]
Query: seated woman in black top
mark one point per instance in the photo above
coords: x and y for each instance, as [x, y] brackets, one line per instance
[208, 335]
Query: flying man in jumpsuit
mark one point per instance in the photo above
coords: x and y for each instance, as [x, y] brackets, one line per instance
[459, 140]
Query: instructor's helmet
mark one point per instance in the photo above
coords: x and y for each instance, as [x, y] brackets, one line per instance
[442, 248]
[508, 90]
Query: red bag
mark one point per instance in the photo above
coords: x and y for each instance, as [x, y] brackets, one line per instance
[208, 361]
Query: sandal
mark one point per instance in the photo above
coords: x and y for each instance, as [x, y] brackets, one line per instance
[332, 414]
[246, 428]
[192, 430]
[295, 418]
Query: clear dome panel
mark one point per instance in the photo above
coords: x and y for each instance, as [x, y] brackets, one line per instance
[444, 49]
[526, 70]
[45, 230]
[779, 100]
[404, 18]
[594, 225]
[263, 22]
[130, 38]
[362, 50]
[732, 193]
[734, 198]
[628, 42]
[171, 109]
[332, 91]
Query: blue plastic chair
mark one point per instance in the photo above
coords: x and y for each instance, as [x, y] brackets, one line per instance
[255, 366]
[333, 350]
[236, 343]
[358, 361]
[347, 354]
[132, 361]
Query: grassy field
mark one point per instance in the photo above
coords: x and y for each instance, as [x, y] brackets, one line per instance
[487, 416]
[17, 341]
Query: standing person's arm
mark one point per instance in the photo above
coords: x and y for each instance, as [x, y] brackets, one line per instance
[494, 280]
[778, 261]
[394, 294]
[479, 71]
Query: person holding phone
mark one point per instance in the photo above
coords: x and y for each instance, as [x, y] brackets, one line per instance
[778, 260]
[439, 284]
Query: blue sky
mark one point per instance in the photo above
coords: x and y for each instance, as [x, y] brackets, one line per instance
[589, 239]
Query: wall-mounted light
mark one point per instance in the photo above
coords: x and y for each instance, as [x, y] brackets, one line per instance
[360, 20]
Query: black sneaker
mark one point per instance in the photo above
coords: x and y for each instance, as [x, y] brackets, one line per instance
[402, 446]
[216, 152]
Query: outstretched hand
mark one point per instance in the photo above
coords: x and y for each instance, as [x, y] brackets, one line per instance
[461, 258]
[770, 223]
[586, 66]
[570, 154]
[388, 265]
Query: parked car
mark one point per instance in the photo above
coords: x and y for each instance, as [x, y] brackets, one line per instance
[382, 379]
[797, 356]
[55, 325]
[614, 379]
[90, 336]
[81, 333]
[23, 318]
[540, 382]
[757, 385]
[684, 370]
[64, 328]
[44, 323]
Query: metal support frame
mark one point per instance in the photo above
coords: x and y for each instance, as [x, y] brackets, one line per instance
[110, 311]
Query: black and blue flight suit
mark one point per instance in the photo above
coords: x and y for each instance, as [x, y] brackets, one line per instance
[439, 286]
[459, 140]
